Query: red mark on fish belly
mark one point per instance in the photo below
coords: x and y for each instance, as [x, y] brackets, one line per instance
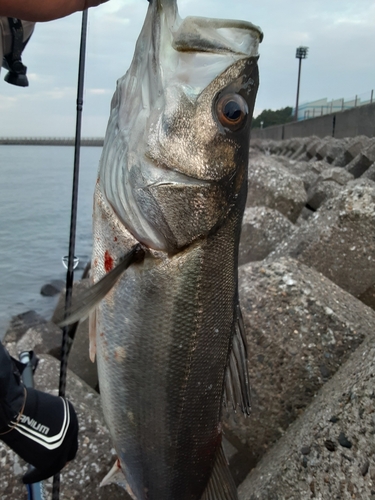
[108, 261]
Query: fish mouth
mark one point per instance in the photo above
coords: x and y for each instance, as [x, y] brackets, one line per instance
[175, 60]
[195, 50]
[201, 34]
[188, 52]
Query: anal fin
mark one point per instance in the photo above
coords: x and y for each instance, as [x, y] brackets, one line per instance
[92, 335]
[116, 476]
[237, 385]
[221, 485]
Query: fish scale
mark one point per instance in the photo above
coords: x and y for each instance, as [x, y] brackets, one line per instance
[172, 183]
[177, 327]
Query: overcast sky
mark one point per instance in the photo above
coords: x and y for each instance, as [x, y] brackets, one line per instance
[340, 35]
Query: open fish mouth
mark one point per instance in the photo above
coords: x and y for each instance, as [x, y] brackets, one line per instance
[164, 103]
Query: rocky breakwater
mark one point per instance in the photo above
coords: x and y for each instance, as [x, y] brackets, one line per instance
[308, 308]
[307, 290]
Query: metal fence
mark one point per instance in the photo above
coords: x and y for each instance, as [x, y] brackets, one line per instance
[322, 107]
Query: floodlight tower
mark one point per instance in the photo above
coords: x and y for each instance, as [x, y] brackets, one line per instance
[301, 53]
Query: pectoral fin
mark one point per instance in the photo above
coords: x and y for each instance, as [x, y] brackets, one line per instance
[237, 385]
[93, 295]
[221, 485]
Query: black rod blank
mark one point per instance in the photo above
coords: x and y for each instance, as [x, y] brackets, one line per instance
[73, 224]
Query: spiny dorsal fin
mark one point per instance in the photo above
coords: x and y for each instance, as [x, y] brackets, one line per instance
[93, 295]
[221, 485]
[237, 385]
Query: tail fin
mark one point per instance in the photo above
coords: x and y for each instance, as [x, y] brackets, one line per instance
[221, 485]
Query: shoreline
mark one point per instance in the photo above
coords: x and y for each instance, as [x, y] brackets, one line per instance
[50, 141]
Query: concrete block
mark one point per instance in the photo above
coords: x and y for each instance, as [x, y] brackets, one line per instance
[300, 328]
[370, 173]
[319, 192]
[313, 147]
[336, 174]
[271, 185]
[301, 151]
[337, 146]
[307, 171]
[290, 146]
[300, 154]
[328, 453]
[369, 152]
[318, 166]
[368, 297]
[20, 323]
[354, 146]
[358, 166]
[304, 216]
[293, 146]
[339, 240]
[331, 148]
[327, 185]
[45, 338]
[262, 230]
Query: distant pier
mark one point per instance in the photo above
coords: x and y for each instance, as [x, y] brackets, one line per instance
[50, 141]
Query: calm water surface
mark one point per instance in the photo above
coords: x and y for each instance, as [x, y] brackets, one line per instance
[35, 201]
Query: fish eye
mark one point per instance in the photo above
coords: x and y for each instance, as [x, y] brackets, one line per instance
[232, 111]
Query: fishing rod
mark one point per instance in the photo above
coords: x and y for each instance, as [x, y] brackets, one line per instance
[66, 340]
[35, 491]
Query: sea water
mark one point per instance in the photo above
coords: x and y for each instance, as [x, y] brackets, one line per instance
[35, 205]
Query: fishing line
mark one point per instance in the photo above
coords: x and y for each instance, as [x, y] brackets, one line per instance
[73, 224]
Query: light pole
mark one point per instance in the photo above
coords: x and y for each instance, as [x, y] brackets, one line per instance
[301, 53]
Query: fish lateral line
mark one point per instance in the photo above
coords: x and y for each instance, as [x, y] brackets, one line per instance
[93, 295]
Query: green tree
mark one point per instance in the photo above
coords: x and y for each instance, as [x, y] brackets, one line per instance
[269, 117]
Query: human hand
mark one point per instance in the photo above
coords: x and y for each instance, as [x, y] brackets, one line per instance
[93, 3]
[45, 434]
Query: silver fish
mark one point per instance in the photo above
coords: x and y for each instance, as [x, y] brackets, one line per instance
[171, 189]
